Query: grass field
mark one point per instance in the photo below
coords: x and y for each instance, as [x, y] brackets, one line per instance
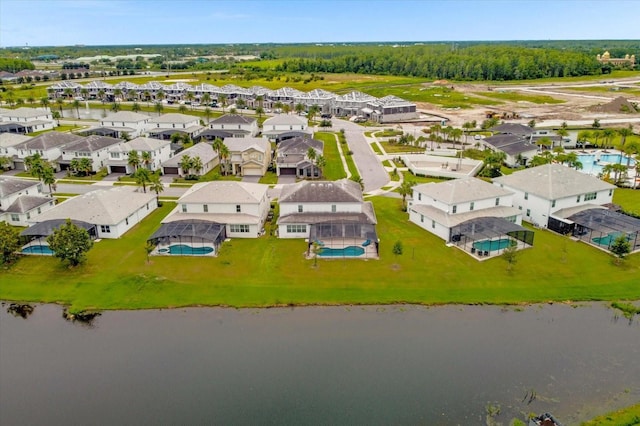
[519, 97]
[393, 148]
[351, 164]
[629, 416]
[268, 271]
[628, 198]
[334, 169]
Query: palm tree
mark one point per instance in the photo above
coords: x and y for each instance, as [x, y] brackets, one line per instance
[115, 107]
[101, 95]
[278, 106]
[158, 108]
[259, 111]
[205, 99]
[562, 132]
[207, 113]
[117, 93]
[56, 116]
[584, 136]
[85, 93]
[132, 95]
[321, 162]
[133, 159]
[311, 155]
[624, 133]
[76, 105]
[186, 164]
[405, 188]
[147, 96]
[49, 179]
[142, 176]
[45, 102]
[608, 135]
[197, 164]
[85, 166]
[31, 100]
[224, 155]
[299, 108]
[222, 99]
[182, 109]
[189, 97]
[156, 186]
[544, 142]
[146, 159]
[68, 93]
[60, 104]
[313, 111]
[259, 100]
[135, 107]
[286, 108]
[160, 95]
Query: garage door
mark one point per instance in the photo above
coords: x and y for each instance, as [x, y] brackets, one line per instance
[170, 170]
[288, 171]
[118, 169]
[251, 171]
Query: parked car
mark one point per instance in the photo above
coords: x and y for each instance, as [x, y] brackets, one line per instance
[325, 115]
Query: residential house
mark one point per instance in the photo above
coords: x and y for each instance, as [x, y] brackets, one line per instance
[48, 145]
[94, 147]
[467, 211]
[26, 120]
[121, 122]
[8, 142]
[283, 123]
[388, 109]
[332, 214]
[248, 156]
[22, 200]
[112, 211]
[202, 150]
[159, 152]
[292, 157]
[518, 149]
[241, 207]
[64, 89]
[238, 126]
[164, 126]
[549, 193]
[351, 103]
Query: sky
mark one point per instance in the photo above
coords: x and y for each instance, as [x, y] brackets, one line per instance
[139, 22]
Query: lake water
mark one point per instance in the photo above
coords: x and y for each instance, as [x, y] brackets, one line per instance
[317, 365]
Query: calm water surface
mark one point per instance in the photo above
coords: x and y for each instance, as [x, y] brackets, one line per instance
[323, 365]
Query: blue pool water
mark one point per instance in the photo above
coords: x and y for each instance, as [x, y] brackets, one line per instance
[607, 239]
[349, 251]
[38, 249]
[492, 245]
[592, 163]
[186, 250]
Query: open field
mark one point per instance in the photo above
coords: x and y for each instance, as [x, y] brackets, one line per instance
[629, 416]
[334, 169]
[268, 271]
[519, 97]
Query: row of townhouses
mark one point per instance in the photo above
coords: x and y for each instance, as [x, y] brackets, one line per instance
[383, 110]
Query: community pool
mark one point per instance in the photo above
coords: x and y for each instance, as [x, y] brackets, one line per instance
[492, 245]
[349, 251]
[185, 250]
[38, 249]
[592, 163]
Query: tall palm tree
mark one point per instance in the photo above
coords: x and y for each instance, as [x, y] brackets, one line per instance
[117, 94]
[132, 95]
[60, 104]
[160, 95]
[584, 136]
[311, 155]
[49, 179]
[68, 93]
[147, 96]
[146, 159]
[207, 114]
[225, 156]
[182, 109]
[85, 93]
[205, 99]
[158, 107]
[299, 108]
[222, 99]
[76, 105]
[624, 133]
[197, 164]
[156, 186]
[562, 132]
[260, 111]
[321, 163]
[186, 164]
[133, 159]
[45, 102]
[101, 95]
[143, 177]
[405, 189]
[544, 142]
[608, 135]
[135, 107]
[189, 97]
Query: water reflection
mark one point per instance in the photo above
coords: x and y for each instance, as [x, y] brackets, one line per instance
[324, 365]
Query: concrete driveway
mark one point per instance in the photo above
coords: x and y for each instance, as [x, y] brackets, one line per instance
[373, 174]
[285, 179]
[253, 179]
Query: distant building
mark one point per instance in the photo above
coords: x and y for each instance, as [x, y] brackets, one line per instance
[606, 58]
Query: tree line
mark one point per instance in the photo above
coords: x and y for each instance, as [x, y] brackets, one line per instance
[15, 65]
[476, 62]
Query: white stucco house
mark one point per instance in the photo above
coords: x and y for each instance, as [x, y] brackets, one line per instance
[331, 213]
[8, 142]
[241, 207]
[26, 120]
[284, 123]
[159, 150]
[48, 145]
[22, 200]
[202, 150]
[94, 147]
[112, 211]
[543, 192]
[164, 126]
[132, 123]
[239, 126]
[441, 207]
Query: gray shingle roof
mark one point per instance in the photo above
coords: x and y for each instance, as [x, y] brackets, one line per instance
[225, 192]
[299, 145]
[284, 119]
[203, 150]
[49, 140]
[233, 119]
[12, 139]
[26, 203]
[27, 112]
[340, 191]
[92, 143]
[126, 116]
[174, 118]
[242, 144]
[513, 128]
[553, 181]
[461, 190]
[511, 144]
[10, 186]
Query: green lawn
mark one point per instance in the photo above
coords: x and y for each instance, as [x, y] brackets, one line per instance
[269, 178]
[421, 179]
[629, 416]
[628, 198]
[519, 97]
[268, 271]
[393, 148]
[355, 175]
[376, 148]
[334, 169]
[211, 175]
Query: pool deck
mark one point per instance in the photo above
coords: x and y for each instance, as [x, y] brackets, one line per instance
[490, 255]
[157, 252]
[339, 243]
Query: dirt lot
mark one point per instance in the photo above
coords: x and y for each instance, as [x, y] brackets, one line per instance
[583, 102]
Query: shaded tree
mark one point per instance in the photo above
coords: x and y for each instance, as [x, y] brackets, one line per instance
[9, 243]
[70, 243]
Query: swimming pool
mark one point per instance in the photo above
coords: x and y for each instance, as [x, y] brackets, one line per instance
[349, 251]
[184, 249]
[492, 245]
[608, 239]
[38, 249]
[592, 163]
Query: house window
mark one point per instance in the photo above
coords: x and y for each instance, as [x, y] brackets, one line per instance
[590, 196]
[610, 192]
[299, 208]
[296, 229]
[433, 224]
[519, 207]
[553, 203]
[526, 195]
[239, 228]
[238, 208]
[454, 209]
[578, 199]
[184, 208]
[105, 228]
[15, 217]
[419, 196]
[528, 212]
[28, 215]
[422, 218]
[497, 201]
[126, 221]
[471, 205]
[205, 208]
[39, 210]
[333, 208]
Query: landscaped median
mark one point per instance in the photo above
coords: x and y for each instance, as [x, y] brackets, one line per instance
[269, 271]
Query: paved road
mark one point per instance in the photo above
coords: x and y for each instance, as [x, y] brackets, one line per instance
[373, 174]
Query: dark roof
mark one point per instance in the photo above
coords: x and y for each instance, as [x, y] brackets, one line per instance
[206, 230]
[49, 140]
[340, 191]
[12, 185]
[46, 228]
[26, 203]
[300, 145]
[92, 143]
[288, 135]
[488, 227]
[102, 131]
[513, 129]
[606, 221]
[510, 144]
[216, 133]
[11, 127]
[233, 119]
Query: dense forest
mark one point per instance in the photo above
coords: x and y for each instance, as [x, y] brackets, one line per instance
[476, 62]
[15, 65]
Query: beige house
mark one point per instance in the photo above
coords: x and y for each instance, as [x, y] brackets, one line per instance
[248, 156]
